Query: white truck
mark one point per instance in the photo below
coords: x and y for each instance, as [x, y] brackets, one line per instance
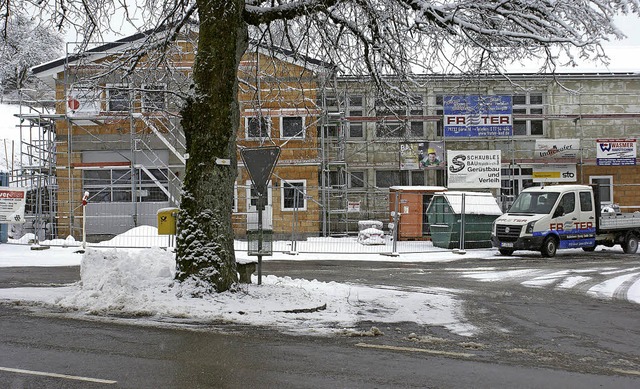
[556, 217]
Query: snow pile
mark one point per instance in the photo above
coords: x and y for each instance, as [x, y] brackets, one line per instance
[136, 237]
[139, 284]
[29, 238]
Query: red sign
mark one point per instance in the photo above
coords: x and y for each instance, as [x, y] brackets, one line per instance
[11, 194]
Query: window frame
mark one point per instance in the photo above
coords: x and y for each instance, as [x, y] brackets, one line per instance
[122, 91]
[303, 131]
[359, 182]
[235, 197]
[398, 174]
[400, 128]
[262, 119]
[528, 108]
[114, 185]
[610, 185]
[520, 178]
[283, 194]
[355, 108]
[251, 207]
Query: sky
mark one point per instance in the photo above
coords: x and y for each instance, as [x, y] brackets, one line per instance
[138, 283]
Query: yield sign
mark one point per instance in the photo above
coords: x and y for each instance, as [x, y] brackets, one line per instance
[260, 162]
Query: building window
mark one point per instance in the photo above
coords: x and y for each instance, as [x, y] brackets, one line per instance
[115, 185]
[417, 177]
[293, 195]
[336, 178]
[292, 127]
[118, 98]
[605, 184]
[331, 130]
[257, 127]
[387, 178]
[355, 130]
[528, 104]
[355, 110]
[252, 196]
[154, 98]
[235, 197]
[355, 101]
[514, 180]
[398, 122]
[389, 129]
[330, 103]
[439, 111]
[416, 129]
[356, 180]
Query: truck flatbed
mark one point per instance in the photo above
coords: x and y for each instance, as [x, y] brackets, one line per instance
[620, 221]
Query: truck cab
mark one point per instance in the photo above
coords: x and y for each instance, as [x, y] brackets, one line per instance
[546, 219]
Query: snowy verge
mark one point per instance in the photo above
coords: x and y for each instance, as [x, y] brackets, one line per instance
[140, 284]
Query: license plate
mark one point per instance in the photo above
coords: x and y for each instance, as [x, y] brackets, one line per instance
[506, 244]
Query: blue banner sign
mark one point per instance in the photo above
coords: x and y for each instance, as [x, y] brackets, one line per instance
[475, 116]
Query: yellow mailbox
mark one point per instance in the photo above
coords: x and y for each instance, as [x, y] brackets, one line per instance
[167, 221]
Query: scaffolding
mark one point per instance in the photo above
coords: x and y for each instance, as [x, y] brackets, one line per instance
[37, 171]
[111, 133]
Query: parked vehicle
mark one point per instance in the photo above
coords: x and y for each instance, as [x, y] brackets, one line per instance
[556, 217]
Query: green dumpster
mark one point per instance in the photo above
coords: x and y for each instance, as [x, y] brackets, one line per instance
[445, 218]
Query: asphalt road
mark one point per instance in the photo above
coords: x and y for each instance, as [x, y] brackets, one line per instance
[529, 337]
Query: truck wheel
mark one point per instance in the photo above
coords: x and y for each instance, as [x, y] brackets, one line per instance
[506, 251]
[549, 247]
[630, 244]
[589, 249]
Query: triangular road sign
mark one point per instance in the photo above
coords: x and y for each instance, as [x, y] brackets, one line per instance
[260, 162]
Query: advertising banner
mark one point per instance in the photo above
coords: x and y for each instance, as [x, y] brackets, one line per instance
[423, 155]
[554, 173]
[409, 156]
[615, 152]
[474, 169]
[12, 203]
[557, 148]
[474, 116]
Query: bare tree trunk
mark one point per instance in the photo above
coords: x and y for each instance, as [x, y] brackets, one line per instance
[210, 119]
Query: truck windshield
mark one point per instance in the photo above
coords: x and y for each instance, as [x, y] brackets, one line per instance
[534, 202]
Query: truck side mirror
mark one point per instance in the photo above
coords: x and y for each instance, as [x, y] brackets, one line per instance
[559, 211]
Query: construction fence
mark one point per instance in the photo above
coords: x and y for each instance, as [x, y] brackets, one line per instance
[376, 222]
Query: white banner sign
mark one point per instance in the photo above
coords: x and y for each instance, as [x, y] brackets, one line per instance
[474, 169]
[353, 206]
[557, 148]
[616, 152]
[83, 101]
[554, 173]
[12, 203]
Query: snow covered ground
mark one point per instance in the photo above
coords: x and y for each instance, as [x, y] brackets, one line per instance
[139, 283]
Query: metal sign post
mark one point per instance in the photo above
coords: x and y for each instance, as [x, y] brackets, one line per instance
[260, 162]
